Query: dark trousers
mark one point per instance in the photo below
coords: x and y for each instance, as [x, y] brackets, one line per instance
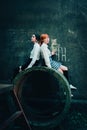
[24, 66]
[66, 74]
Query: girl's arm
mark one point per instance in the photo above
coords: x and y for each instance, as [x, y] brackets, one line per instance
[46, 57]
[36, 51]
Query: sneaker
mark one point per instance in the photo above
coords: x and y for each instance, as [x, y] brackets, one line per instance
[72, 87]
[20, 68]
[71, 95]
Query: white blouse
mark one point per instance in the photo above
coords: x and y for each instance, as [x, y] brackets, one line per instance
[35, 54]
[45, 53]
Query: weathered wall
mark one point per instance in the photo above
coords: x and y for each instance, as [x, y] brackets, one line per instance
[65, 21]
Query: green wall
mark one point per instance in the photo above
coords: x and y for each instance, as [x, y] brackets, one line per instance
[64, 20]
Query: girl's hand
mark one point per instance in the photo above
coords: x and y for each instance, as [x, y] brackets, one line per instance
[20, 68]
[53, 52]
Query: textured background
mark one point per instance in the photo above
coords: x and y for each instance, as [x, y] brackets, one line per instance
[64, 20]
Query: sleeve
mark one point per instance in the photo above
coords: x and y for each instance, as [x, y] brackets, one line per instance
[36, 51]
[46, 56]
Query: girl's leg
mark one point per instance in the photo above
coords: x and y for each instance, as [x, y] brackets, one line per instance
[60, 70]
[67, 77]
[63, 68]
[66, 74]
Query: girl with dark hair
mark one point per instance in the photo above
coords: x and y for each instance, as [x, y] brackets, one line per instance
[35, 53]
[33, 60]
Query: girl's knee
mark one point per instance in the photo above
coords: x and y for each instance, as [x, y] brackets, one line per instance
[60, 70]
[63, 67]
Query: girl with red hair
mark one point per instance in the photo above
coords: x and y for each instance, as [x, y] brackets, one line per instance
[47, 59]
[46, 55]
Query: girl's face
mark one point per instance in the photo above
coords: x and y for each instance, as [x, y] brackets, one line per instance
[47, 40]
[33, 38]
